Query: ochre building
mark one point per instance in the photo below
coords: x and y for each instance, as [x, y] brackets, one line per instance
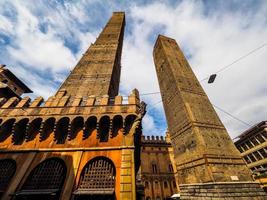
[81, 143]
[252, 145]
[157, 169]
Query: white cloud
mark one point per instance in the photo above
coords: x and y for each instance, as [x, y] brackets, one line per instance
[36, 49]
[5, 25]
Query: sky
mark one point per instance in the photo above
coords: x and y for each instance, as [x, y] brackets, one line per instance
[41, 41]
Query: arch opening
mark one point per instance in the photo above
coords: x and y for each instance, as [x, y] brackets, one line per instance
[45, 181]
[104, 128]
[129, 120]
[117, 125]
[62, 130]
[97, 180]
[20, 131]
[90, 126]
[34, 128]
[76, 126]
[48, 128]
[6, 129]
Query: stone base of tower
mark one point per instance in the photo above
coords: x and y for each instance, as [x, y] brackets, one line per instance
[222, 190]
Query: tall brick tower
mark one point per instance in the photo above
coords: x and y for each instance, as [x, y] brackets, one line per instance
[98, 71]
[83, 142]
[208, 164]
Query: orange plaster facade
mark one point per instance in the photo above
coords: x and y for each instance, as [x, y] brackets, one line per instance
[83, 142]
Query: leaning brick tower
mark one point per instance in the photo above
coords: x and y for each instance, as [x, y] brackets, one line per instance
[207, 162]
[83, 142]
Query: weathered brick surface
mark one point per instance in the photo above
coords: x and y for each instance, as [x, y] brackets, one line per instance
[98, 71]
[203, 150]
[225, 191]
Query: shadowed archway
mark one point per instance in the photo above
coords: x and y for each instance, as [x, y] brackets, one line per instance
[20, 128]
[33, 129]
[104, 125]
[6, 129]
[90, 126]
[77, 125]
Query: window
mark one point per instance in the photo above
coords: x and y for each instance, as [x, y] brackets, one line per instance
[247, 159]
[156, 184]
[249, 144]
[259, 138]
[254, 141]
[245, 146]
[263, 153]
[252, 158]
[146, 185]
[240, 149]
[174, 184]
[170, 168]
[257, 155]
[154, 168]
[5, 81]
[165, 184]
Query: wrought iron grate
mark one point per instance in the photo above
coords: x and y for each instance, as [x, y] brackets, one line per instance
[7, 170]
[98, 174]
[50, 174]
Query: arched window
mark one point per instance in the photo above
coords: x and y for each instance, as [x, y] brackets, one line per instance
[170, 168]
[97, 177]
[157, 186]
[7, 171]
[174, 184]
[154, 167]
[45, 180]
[165, 184]
[146, 185]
